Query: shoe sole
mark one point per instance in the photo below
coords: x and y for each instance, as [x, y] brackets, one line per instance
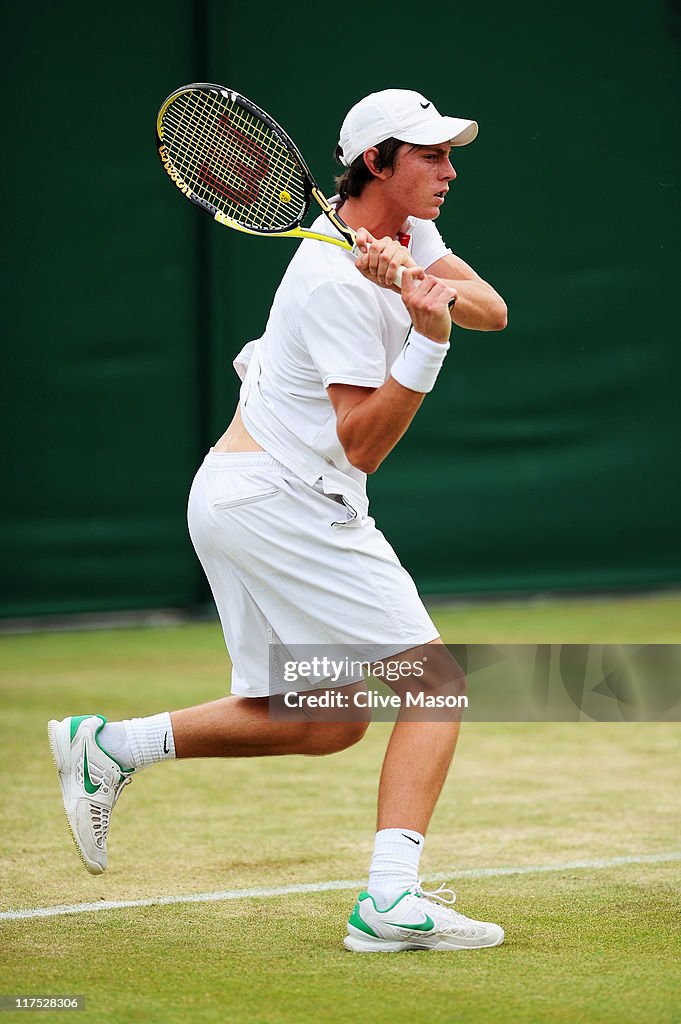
[369, 945]
[60, 761]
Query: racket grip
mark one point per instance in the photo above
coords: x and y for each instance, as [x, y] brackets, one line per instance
[398, 276]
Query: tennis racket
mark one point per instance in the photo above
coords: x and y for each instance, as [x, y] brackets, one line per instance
[233, 161]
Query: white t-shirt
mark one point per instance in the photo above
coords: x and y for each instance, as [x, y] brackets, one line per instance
[327, 325]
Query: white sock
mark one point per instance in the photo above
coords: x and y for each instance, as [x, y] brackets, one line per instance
[139, 742]
[394, 865]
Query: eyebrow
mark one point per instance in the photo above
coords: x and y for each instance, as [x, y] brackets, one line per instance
[444, 148]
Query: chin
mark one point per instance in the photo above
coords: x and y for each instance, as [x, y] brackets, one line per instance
[426, 213]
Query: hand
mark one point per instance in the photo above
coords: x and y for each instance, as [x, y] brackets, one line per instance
[380, 258]
[427, 299]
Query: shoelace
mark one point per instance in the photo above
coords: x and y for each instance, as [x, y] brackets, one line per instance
[436, 894]
[451, 920]
[112, 779]
[100, 815]
[125, 781]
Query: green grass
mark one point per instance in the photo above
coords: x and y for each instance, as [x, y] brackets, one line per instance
[587, 946]
[582, 945]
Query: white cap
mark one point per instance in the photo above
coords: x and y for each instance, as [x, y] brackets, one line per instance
[399, 114]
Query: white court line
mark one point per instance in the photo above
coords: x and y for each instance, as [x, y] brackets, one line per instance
[288, 890]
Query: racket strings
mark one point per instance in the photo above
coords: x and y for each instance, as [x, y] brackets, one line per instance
[226, 166]
[216, 160]
[231, 158]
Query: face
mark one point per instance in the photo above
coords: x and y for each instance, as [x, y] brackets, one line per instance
[419, 181]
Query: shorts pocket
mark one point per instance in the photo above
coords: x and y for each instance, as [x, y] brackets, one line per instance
[237, 500]
[351, 517]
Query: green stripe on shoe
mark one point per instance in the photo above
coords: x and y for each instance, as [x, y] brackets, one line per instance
[75, 722]
[124, 771]
[77, 719]
[356, 921]
[425, 926]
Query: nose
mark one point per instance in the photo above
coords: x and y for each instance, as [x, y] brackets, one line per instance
[449, 172]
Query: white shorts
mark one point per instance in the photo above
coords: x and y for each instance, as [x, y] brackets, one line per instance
[289, 565]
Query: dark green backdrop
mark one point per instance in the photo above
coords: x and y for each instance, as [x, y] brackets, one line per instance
[547, 457]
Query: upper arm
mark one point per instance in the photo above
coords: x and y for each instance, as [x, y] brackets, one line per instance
[344, 397]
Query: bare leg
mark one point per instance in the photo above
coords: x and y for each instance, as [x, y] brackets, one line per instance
[242, 727]
[418, 756]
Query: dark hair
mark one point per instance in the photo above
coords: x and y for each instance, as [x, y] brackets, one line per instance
[357, 175]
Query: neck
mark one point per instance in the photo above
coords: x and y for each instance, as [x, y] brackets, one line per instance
[370, 212]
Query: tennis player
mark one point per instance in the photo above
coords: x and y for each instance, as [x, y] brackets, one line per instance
[278, 514]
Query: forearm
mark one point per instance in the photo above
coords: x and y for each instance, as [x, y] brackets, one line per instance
[371, 428]
[478, 307]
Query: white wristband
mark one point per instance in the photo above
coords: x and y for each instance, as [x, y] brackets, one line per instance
[419, 362]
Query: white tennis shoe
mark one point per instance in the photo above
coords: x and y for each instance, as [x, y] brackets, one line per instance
[91, 783]
[416, 921]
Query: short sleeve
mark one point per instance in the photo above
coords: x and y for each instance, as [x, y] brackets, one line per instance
[340, 325]
[427, 245]
[242, 361]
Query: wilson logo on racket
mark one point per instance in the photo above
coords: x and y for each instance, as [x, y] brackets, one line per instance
[244, 188]
[165, 160]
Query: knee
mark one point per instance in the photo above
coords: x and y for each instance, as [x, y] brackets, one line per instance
[330, 737]
[444, 676]
[435, 688]
[445, 695]
[452, 681]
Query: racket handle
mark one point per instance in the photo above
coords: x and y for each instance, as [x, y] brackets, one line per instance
[398, 276]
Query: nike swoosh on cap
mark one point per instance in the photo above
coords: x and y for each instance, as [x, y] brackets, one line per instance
[425, 105]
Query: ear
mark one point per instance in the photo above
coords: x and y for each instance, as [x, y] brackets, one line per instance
[370, 161]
